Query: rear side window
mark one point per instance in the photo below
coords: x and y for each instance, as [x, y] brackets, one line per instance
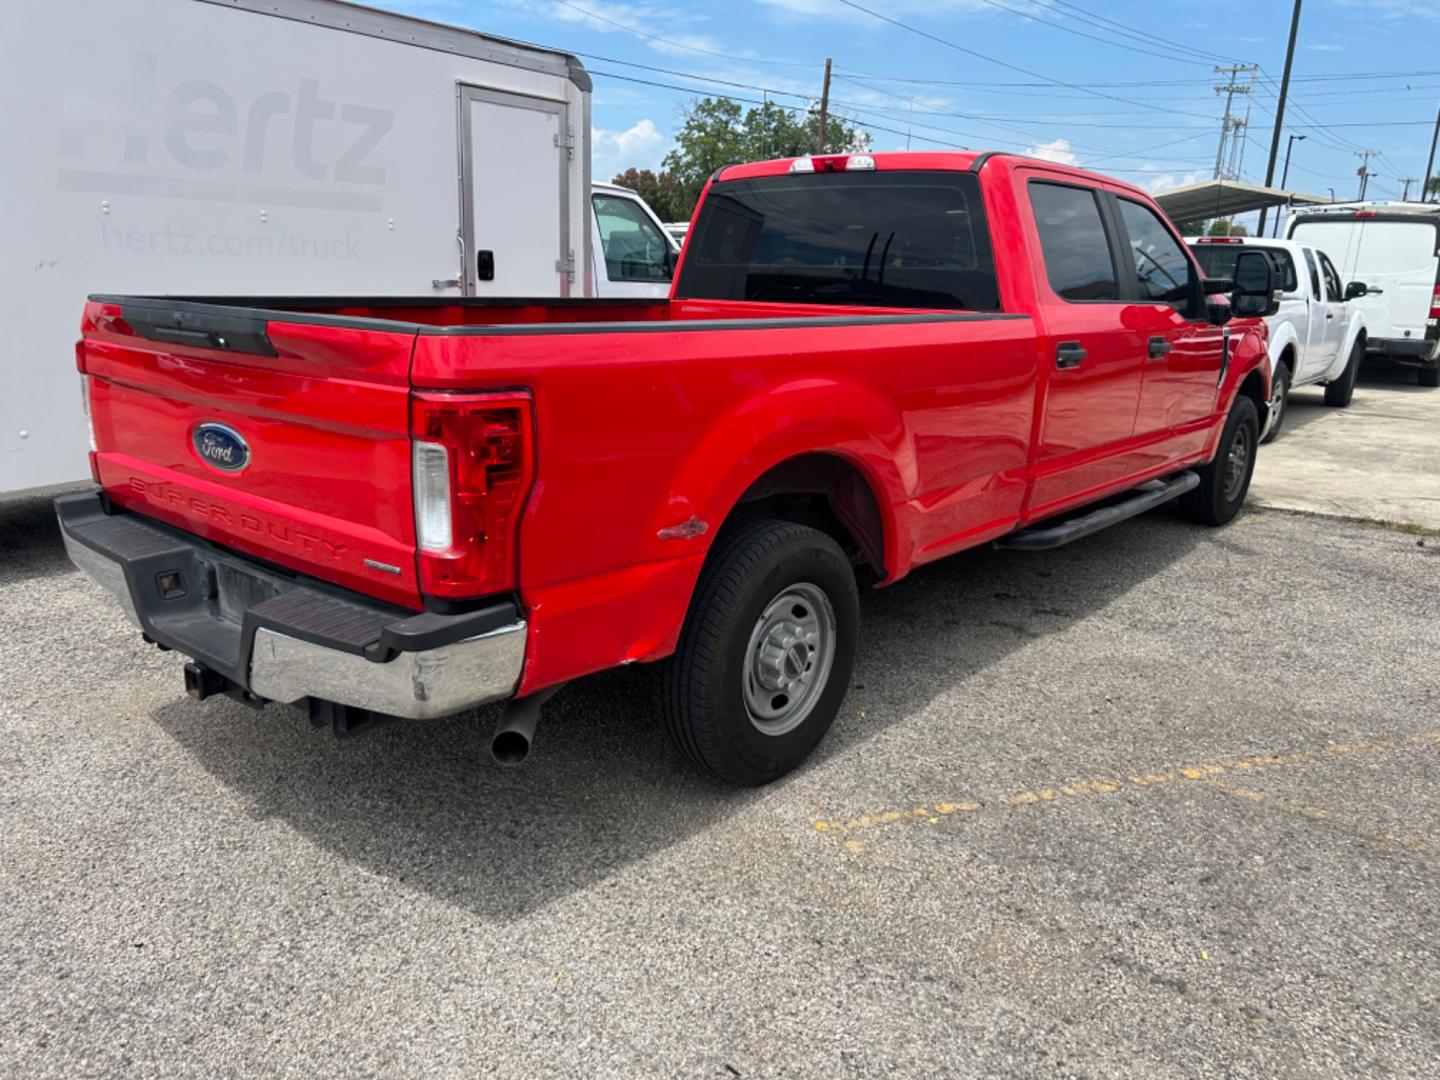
[1161, 265]
[1073, 242]
[901, 239]
[1314, 273]
[1218, 261]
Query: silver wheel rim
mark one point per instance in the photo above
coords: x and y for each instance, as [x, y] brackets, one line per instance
[1277, 403]
[788, 658]
[1237, 463]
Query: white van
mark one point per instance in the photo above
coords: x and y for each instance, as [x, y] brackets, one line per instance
[264, 147]
[1393, 249]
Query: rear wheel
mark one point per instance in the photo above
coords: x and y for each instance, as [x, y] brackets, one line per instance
[1430, 376]
[1224, 482]
[766, 654]
[1279, 400]
[1340, 392]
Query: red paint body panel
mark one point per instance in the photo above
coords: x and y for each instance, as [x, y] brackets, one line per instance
[327, 421]
[648, 415]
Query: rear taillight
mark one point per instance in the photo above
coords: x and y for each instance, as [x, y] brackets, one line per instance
[473, 460]
[1435, 303]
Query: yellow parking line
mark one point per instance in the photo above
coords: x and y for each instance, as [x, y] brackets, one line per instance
[933, 813]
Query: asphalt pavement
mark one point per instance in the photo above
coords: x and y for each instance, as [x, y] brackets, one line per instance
[1164, 803]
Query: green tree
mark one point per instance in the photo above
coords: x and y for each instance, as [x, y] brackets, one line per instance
[1223, 227]
[718, 132]
[1432, 187]
[660, 191]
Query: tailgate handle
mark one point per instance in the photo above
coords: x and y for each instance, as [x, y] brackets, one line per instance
[204, 326]
[485, 265]
[1068, 354]
[1159, 347]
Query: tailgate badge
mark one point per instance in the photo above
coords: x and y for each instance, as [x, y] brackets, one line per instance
[221, 447]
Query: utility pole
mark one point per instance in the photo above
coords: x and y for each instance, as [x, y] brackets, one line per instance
[824, 110]
[1407, 181]
[1231, 127]
[1430, 165]
[1364, 171]
[1285, 178]
[1280, 106]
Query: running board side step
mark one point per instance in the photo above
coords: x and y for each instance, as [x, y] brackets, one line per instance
[1146, 497]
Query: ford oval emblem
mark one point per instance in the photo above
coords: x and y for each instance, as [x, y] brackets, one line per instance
[221, 447]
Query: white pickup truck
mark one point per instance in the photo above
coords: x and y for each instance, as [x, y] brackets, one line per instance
[1317, 337]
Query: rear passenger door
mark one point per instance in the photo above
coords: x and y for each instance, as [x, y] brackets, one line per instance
[1182, 350]
[1090, 363]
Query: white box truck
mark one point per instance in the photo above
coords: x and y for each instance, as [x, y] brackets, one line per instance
[1388, 255]
[263, 147]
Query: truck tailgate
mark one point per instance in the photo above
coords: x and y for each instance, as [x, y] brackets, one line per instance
[288, 440]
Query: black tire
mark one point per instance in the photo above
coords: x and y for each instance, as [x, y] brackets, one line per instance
[1221, 493]
[1279, 400]
[707, 688]
[1430, 376]
[1340, 392]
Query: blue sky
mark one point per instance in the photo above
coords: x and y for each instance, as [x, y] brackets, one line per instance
[1137, 107]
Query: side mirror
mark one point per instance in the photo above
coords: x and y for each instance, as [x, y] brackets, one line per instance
[1257, 282]
[1355, 290]
[1217, 285]
[1217, 311]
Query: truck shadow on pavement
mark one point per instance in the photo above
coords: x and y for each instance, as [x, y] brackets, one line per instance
[423, 804]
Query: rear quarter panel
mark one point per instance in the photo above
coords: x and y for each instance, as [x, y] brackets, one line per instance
[639, 431]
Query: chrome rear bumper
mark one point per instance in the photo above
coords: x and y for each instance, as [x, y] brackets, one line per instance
[274, 637]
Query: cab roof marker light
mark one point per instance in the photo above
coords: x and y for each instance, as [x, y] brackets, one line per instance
[802, 165]
[860, 163]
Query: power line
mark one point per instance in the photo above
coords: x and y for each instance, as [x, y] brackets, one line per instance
[1091, 37]
[992, 60]
[675, 44]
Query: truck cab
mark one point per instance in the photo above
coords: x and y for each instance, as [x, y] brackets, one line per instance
[1317, 337]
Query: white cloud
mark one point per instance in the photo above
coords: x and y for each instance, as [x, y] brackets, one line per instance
[1056, 150]
[659, 25]
[611, 152]
[1168, 180]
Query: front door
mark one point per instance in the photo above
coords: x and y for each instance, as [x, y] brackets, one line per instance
[1182, 350]
[513, 185]
[1090, 365]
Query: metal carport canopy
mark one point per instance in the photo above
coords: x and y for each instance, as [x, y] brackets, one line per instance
[1226, 198]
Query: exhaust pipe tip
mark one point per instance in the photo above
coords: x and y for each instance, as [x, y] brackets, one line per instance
[515, 730]
[510, 748]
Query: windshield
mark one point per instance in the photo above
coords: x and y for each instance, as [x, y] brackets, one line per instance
[903, 239]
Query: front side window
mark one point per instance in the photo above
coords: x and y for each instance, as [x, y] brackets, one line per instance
[1073, 242]
[1332, 279]
[1161, 265]
[635, 249]
[907, 239]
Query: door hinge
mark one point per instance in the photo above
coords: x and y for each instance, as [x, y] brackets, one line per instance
[567, 141]
[566, 266]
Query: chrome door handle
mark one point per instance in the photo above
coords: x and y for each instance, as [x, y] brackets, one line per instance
[1159, 347]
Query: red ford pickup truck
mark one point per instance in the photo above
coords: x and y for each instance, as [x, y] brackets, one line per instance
[399, 507]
